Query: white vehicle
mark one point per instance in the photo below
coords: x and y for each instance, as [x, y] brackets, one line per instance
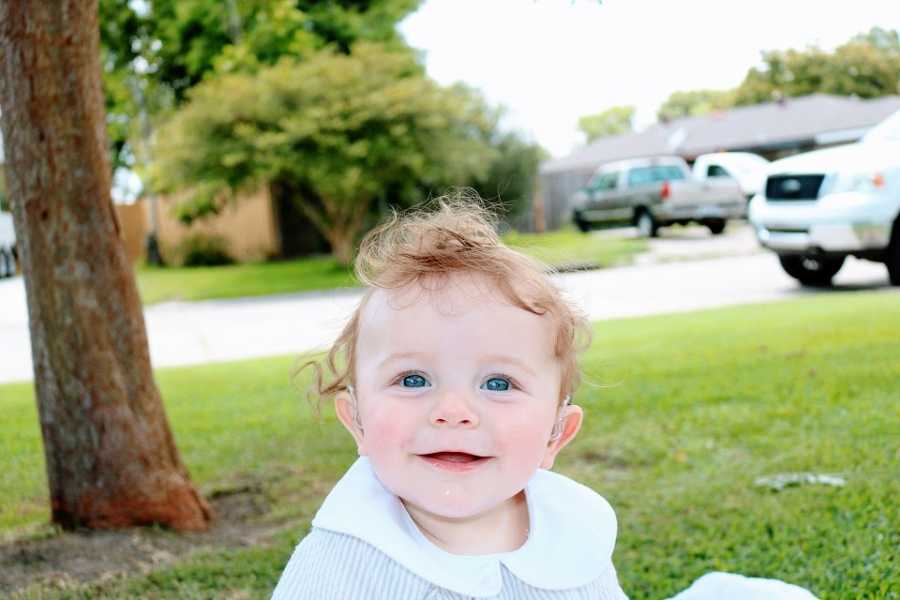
[7, 246]
[748, 169]
[820, 207]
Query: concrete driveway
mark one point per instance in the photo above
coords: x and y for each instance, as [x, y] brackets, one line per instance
[686, 269]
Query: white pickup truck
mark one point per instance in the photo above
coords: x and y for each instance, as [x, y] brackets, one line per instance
[819, 207]
[747, 169]
[7, 246]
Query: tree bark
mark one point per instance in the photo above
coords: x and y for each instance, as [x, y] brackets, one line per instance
[110, 455]
[338, 225]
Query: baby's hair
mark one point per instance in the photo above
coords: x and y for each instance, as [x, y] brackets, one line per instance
[450, 235]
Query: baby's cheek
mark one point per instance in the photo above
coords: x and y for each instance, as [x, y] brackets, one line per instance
[386, 432]
[523, 442]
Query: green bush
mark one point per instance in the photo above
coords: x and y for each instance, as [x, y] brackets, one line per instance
[204, 250]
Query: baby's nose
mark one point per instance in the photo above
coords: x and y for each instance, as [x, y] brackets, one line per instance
[454, 410]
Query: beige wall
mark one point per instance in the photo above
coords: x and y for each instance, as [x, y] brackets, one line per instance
[247, 225]
[133, 229]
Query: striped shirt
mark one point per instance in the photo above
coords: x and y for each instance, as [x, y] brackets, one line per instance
[365, 546]
[335, 566]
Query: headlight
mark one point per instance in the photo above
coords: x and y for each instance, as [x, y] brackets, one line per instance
[868, 182]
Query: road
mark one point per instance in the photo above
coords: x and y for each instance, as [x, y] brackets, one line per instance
[685, 270]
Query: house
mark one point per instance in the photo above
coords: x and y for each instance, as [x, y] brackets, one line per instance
[253, 227]
[774, 130]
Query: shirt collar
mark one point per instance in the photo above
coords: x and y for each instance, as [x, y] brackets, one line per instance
[572, 532]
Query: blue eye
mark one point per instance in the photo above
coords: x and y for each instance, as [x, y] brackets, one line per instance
[496, 384]
[414, 380]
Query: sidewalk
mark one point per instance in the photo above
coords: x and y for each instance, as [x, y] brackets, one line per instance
[183, 333]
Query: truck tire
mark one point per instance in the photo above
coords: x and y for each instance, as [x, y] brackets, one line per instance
[6, 264]
[582, 225]
[716, 226]
[893, 255]
[811, 272]
[646, 224]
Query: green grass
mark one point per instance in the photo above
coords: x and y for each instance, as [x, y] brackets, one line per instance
[235, 281]
[684, 413]
[568, 247]
[559, 248]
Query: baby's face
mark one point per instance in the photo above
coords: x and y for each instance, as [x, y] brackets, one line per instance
[458, 393]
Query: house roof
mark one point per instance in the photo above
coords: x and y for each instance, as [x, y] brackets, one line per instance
[822, 118]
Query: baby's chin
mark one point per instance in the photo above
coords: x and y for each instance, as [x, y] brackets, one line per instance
[452, 503]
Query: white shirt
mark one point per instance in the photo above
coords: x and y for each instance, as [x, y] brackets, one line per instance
[568, 553]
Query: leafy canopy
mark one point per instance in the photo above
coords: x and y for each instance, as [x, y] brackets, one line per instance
[343, 130]
[153, 53]
[613, 121]
[867, 66]
[694, 103]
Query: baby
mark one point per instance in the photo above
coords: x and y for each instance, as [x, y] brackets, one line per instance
[455, 377]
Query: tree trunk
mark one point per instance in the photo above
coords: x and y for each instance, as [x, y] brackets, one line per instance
[338, 224]
[111, 458]
[341, 246]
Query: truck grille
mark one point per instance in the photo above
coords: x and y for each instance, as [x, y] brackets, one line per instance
[793, 187]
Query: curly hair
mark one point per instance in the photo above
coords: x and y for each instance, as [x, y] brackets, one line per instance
[451, 235]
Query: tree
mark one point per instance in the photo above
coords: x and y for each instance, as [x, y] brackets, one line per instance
[883, 39]
[613, 121]
[510, 180]
[340, 132]
[4, 203]
[867, 66]
[694, 103]
[166, 47]
[110, 455]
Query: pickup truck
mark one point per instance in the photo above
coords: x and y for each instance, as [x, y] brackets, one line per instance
[8, 254]
[819, 207]
[748, 169]
[653, 192]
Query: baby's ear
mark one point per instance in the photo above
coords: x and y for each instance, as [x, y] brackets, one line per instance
[346, 410]
[570, 417]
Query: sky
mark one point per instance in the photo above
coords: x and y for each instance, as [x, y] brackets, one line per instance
[551, 61]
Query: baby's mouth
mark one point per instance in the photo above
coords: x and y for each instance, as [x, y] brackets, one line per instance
[455, 461]
[456, 457]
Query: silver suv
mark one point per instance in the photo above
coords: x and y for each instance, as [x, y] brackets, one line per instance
[653, 192]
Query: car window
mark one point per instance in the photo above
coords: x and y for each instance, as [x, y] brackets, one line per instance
[605, 182]
[640, 176]
[717, 171]
[668, 173]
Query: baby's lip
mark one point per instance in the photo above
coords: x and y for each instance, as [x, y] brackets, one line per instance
[455, 461]
[456, 456]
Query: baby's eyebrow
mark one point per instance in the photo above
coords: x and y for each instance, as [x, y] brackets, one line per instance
[510, 360]
[490, 358]
[400, 356]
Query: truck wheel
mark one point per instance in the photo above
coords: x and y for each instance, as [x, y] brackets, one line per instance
[646, 224]
[6, 267]
[812, 272]
[716, 227]
[582, 225]
[893, 255]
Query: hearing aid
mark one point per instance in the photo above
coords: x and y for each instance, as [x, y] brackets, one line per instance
[356, 420]
[557, 430]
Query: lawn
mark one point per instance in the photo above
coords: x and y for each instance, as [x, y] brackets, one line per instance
[563, 249]
[684, 413]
